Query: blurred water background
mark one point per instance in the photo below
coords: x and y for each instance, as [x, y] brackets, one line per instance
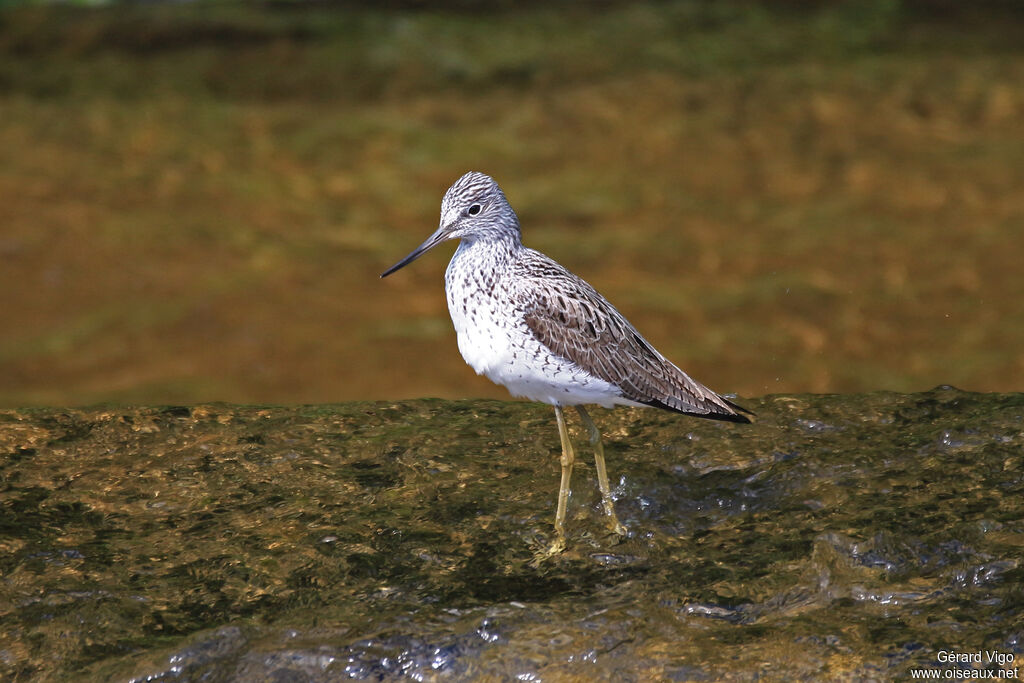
[196, 199]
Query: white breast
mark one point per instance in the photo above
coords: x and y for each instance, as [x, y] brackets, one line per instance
[495, 341]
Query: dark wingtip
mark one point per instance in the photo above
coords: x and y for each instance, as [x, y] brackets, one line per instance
[740, 416]
[746, 414]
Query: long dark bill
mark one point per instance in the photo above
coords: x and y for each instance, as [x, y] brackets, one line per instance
[431, 242]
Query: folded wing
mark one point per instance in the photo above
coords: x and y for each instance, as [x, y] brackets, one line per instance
[575, 322]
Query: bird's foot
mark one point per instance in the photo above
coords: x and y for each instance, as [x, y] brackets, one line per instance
[614, 525]
[556, 548]
[617, 528]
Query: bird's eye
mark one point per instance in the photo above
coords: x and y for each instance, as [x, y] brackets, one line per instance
[473, 210]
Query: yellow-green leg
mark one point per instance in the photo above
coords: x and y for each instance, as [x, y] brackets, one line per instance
[568, 458]
[602, 472]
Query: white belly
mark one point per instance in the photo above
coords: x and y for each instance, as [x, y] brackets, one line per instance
[495, 341]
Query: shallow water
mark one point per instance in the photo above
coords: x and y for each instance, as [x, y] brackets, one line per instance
[852, 537]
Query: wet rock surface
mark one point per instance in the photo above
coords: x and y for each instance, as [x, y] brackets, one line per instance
[840, 537]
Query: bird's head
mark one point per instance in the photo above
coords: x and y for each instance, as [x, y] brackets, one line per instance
[473, 208]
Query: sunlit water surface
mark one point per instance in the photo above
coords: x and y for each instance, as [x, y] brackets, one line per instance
[848, 537]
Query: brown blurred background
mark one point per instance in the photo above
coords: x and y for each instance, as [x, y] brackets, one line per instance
[196, 200]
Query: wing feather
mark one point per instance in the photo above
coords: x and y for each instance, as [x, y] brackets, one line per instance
[575, 322]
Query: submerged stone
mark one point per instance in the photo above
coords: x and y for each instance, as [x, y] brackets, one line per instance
[839, 537]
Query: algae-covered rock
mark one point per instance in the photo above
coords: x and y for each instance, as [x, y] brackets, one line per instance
[840, 537]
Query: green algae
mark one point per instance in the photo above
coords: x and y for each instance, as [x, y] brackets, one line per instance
[840, 537]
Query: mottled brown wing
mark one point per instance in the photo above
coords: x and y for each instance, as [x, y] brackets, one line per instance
[575, 322]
